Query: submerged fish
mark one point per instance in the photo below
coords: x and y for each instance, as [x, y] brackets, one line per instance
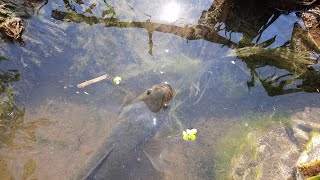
[137, 123]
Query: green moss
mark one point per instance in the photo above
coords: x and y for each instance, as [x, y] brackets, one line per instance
[29, 169]
[314, 178]
[310, 142]
[240, 139]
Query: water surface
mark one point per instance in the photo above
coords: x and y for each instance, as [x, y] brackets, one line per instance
[50, 126]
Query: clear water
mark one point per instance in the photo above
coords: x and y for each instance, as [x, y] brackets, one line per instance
[51, 126]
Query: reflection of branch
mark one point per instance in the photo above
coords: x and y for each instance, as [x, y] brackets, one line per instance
[274, 90]
[295, 62]
[69, 6]
[255, 57]
[9, 76]
[190, 33]
[150, 43]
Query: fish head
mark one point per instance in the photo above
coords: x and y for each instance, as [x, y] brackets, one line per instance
[158, 96]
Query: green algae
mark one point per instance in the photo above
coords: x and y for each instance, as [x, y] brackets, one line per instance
[12, 117]
[29, 169]
[314, 178]
[310, 145]
[242, 138]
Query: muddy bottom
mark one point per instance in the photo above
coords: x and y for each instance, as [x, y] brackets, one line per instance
[64, 144]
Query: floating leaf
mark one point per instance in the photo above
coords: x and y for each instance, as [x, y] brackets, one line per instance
[192, 137]
[117, 80]
[189, 134]
[185, 135]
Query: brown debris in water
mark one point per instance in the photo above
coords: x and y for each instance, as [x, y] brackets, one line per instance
[311, 19]
[309, 170]
[13, 27]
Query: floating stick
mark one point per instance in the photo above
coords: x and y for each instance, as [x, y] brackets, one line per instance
[97, 79]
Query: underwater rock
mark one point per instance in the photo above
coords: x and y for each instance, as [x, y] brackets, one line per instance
[308, 164]
[270, 155]
[272, 152]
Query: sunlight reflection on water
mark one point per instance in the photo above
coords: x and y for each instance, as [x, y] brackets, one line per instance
[170, 12]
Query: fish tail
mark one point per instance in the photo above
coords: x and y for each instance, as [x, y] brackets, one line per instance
[94, 171]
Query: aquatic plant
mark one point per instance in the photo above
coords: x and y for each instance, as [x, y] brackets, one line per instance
[241, 140]
[11, 117]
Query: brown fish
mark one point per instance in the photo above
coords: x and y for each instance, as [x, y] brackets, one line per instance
[137, 123]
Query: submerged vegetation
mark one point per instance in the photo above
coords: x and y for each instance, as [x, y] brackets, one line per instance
[11, 117]
[243, 138]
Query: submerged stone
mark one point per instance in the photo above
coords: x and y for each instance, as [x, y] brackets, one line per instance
[268, 155]
[308, 164]
[275, 152]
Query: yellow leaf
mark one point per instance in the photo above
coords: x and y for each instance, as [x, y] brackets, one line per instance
[185, 137]
[192, 137]
[184, 133]
[117, 80]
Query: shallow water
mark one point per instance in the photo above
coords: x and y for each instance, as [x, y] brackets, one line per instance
[51, 127]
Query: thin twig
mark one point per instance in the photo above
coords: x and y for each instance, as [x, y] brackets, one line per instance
[86, 83]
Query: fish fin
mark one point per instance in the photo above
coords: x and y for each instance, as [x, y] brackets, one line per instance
[128, 99]
[99, 165]
[153, 151]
